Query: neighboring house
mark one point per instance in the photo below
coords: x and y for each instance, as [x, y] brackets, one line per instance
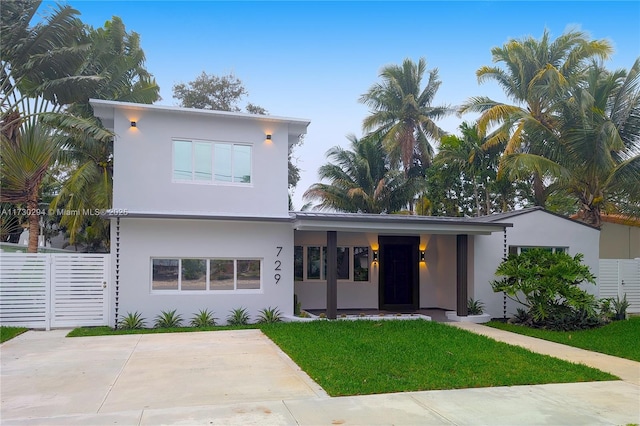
[619, 237]
[200, 220]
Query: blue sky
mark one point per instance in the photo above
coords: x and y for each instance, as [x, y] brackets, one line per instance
[313, 60]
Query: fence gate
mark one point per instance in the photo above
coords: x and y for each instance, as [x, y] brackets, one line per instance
[54, 290]
[620, 277]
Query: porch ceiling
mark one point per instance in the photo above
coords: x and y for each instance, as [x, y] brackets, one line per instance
[393, 224]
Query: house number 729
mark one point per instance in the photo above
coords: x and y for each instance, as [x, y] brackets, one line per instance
[278, 264]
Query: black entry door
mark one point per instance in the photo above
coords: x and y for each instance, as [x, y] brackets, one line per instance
[398, 273]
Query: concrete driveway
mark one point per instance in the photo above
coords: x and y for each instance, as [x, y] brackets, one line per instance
[242, 378]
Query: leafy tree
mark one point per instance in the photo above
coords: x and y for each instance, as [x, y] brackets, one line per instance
[117, 57]
[402, 113]
[547, 284]
[596, 159]
[535, 75]
[361, 180]
[38, 78]
[214, 92]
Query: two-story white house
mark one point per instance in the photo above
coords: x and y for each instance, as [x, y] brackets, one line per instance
[200, 220]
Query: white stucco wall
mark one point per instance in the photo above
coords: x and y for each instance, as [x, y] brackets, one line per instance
[143, 239]
[438, 272]
[143, 166]
[536, 228]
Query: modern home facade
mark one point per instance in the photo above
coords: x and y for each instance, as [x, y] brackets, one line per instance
[200, 220]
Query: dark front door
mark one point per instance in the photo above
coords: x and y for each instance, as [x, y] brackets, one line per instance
[398, 273]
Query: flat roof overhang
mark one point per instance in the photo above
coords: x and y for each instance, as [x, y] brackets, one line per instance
[393, 224]
[123, 213]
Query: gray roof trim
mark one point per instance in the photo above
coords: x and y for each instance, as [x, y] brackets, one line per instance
[389, 224]
[346, 222]
[500, 216]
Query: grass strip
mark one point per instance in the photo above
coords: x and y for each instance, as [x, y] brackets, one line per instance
[369, 357]
[108, 331]
[8, 333]
[618, 338]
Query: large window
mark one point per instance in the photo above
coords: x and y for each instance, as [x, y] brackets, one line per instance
[205, 274]
[215, 162]
[352, 263]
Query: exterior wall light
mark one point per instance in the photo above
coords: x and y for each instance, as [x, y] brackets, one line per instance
[134, 124]
[268, 137]
[375, 256]
[421, 255]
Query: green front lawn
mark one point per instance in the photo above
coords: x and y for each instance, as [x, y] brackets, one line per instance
[619, 338]
[8, 333]
[368, 357]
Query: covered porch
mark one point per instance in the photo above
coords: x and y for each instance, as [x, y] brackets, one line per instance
[392, 263]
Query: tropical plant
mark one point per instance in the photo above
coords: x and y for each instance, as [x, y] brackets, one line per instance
[269, 315]
[24, 161]
[536, 75]
[168, 319]
[620, 307]
[475, 307]
[547, 284]
[204, 318]
[361, 180]
[116, 57]
[238, 316]
[39, 77]
[402, 114]
[131, 321]
[597, 159]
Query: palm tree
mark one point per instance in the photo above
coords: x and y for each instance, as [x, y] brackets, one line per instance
[115, 56]
[402, 113]
[597, 155]
[24, 162]
[537, 74]
[361, 180]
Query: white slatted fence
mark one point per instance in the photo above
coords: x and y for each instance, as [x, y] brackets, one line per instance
[620, 277]
[53, 290]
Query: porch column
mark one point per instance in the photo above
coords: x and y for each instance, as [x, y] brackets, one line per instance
[462, 275]
[332, 274]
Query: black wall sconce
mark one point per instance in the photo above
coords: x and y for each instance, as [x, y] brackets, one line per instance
[421, 255]
[268, 137]
[134, 124]
[375, 256]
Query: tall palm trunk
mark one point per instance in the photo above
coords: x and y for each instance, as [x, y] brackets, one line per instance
[34, 220]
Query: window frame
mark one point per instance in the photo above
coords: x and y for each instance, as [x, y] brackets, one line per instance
[207, 289]
[322, 262]
[232, 162]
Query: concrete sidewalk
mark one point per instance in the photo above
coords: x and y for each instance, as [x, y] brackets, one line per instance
[241, 377]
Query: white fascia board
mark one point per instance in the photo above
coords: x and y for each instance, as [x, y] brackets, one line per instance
[300, 125]
[398, 228]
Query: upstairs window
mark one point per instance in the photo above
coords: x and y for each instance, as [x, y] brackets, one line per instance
[211, 162]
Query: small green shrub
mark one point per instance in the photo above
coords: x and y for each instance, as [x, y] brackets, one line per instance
[548, 285]
[620, 307]
[204, 318]
[238, 316]
[269, 316]
[297, 306]
[132, 321]
[475, 307]
[168, 319]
